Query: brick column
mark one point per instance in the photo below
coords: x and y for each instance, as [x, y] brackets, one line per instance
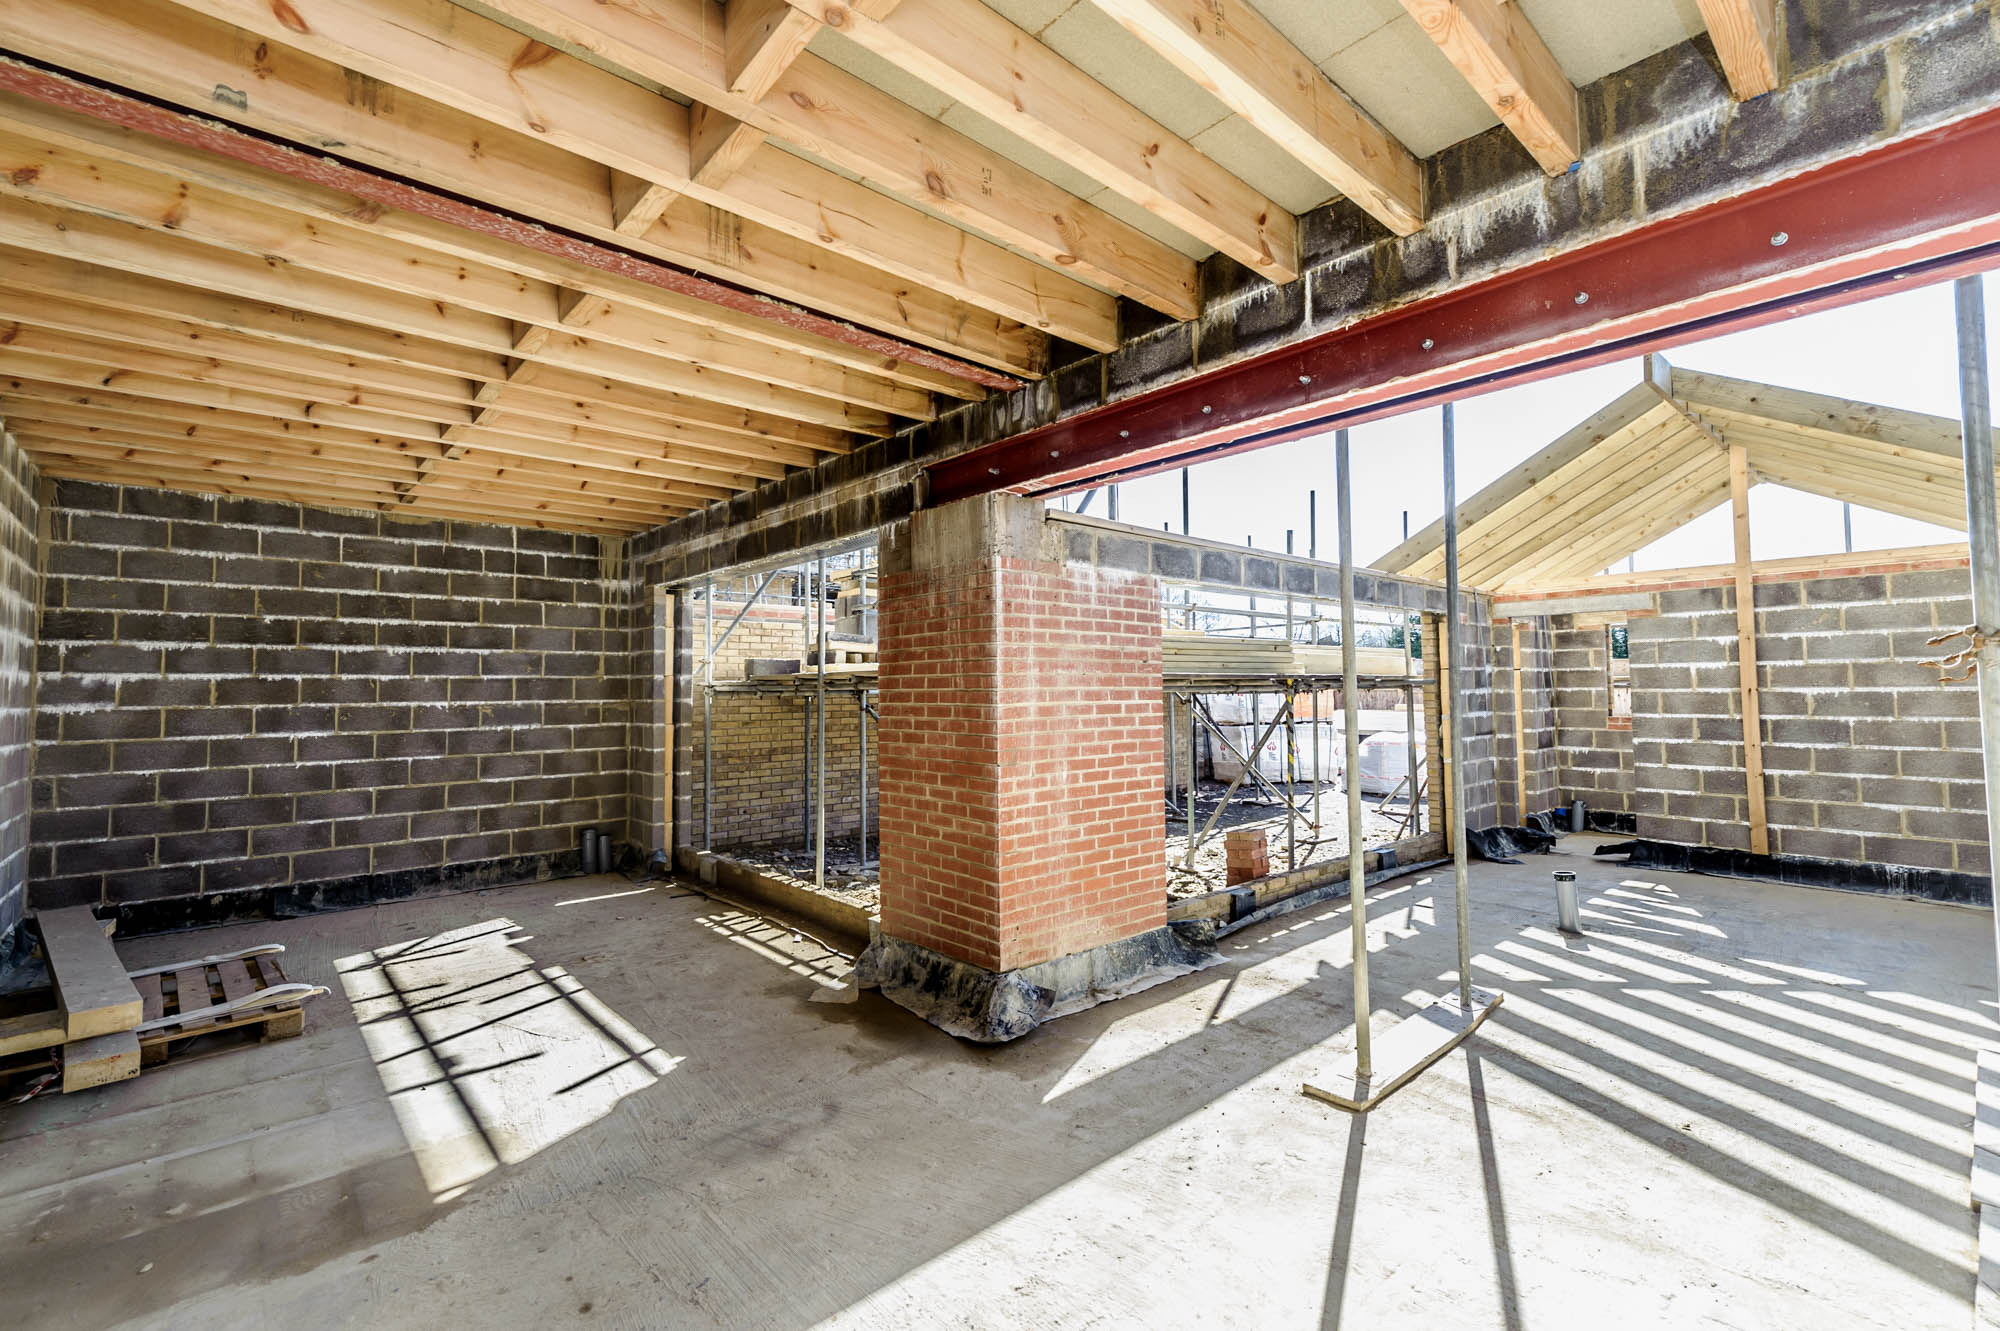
[1020, 748]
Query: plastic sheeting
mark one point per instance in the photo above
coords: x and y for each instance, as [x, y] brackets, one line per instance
[1385, 761]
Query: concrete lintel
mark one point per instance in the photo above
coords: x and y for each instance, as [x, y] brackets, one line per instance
[1191, 561]
[992, 1007]
[974, 530]
[1522, 607]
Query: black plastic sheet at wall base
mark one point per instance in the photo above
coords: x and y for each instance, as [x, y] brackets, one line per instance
[291, 900]
[1893, 880]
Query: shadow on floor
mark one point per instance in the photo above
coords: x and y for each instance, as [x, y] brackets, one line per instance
[1794, 1065]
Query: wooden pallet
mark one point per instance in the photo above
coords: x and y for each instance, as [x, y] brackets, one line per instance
[201, 986]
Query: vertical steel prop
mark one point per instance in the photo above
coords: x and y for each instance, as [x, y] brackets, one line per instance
[1452, 665]
[1357, 876]
[1982, 527]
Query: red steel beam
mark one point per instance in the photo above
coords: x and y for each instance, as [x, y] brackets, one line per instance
[1924, 209]
[70, 94]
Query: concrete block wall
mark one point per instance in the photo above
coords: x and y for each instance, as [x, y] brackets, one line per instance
[20, 555]
[761, 774]
[1478, 721]
[1593, 757]
[649, 798]
[1522, 788]
[239, 695]
[1867, 756]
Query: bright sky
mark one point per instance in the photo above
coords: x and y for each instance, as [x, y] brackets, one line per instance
[1898, 351]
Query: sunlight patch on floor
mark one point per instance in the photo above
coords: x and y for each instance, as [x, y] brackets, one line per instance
[792, 948]
[486, 1056]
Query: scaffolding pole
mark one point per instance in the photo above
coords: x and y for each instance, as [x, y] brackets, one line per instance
[861, 728]
[741, 611]
[1249, 770]
[707, 714]
[1193, 772]
[1292, 778]
[1318, 699]
[1357, 868]
[1452, 674]
[1982, 526]
[1410, 731]
[805, 775]
[819, 712]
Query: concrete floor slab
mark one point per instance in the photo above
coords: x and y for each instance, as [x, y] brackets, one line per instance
[1729, 1104]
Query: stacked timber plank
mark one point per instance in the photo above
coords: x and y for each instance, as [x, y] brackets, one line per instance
[1183, 656]
[101, 1024]
[99, 1006]
[1211, 656]
[1208, 656]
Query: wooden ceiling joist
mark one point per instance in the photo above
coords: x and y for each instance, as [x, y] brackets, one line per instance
[506, 477]
[1256, 71]
[122, 244]
[486, 484]
[438, 399]
[837, 117]
[1497, 50]
[157, 48]
[448, 54]
[62, 160]
[596, 263]
[448, 503]
[103, 302]
[198, 427]
[761, 39]
[719, 146]
[981, 60]
[1745, 33]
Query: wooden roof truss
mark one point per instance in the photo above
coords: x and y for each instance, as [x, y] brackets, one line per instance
[1657, 457]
